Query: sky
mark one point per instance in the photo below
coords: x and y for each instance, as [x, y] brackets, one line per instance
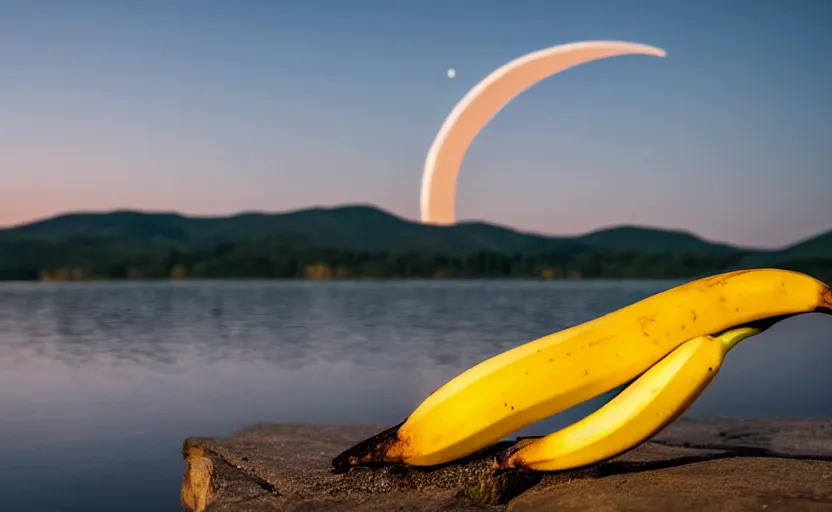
[217, 107]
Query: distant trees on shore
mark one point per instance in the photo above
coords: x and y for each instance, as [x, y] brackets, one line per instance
[244, 261]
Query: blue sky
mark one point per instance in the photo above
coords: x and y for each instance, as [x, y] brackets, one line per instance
[209, 107]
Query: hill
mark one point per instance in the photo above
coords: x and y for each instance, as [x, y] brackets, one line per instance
[361, 241]
[634, 238]
[360, 228]
[812, 256]
[816, 247]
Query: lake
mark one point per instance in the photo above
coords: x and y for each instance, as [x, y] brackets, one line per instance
[100, 383]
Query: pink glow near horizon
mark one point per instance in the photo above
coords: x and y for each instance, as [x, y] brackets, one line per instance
[163, 107]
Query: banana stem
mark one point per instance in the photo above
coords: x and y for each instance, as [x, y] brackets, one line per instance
[732, 338]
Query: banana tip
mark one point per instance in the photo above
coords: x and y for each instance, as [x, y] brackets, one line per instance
[507, 460]
[825, 301]
[373, 450]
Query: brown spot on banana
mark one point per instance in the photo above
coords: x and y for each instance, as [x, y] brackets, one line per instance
[644, 322]
[722, 279]
[599, 340]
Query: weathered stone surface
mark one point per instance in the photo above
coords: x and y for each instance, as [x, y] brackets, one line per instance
[725, 465]
[795, 438]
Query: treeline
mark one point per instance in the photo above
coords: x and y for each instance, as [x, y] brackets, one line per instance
[287, 262]
[89, 260]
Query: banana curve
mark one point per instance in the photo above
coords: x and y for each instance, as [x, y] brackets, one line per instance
[652, 402]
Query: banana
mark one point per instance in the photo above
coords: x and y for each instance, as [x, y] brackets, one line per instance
[641, 410]
[502, 394]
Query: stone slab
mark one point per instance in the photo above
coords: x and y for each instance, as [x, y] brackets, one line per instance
[720, 465]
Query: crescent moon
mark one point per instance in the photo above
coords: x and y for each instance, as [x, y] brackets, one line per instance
[488, 97]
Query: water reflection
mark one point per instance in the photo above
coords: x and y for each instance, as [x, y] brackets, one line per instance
[103, 379]
[291, 324]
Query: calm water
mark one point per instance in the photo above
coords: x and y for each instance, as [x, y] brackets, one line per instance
[100, 383]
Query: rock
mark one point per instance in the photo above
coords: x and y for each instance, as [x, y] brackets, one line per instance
[725, 465]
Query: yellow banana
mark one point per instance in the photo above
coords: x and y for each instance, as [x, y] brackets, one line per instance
[641, 410]
[540, 378]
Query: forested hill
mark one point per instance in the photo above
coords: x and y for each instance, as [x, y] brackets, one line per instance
[361, 241]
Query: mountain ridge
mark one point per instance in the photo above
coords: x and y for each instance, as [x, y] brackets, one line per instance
[364, 240]
[616, 229]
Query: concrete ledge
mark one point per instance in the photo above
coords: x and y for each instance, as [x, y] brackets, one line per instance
[725, 465]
